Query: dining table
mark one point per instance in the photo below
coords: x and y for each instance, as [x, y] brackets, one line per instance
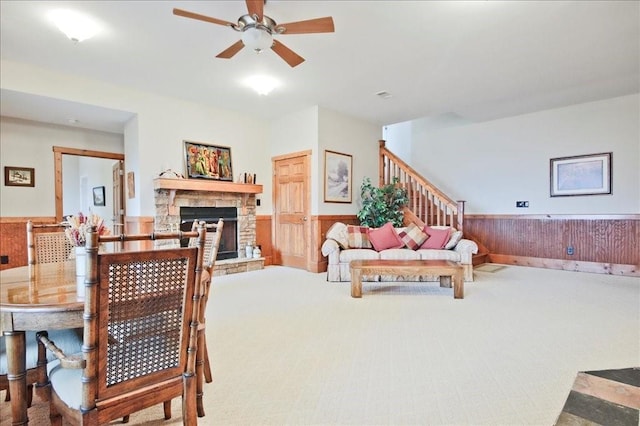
[32, 298]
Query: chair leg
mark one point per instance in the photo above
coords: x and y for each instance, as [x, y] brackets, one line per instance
[167, 409]
[29, 395]
[200, 357]
[208, 377]
[43, 386]
[54, 416]
[7, 397]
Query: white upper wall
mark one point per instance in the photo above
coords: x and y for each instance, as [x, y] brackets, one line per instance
[351, 136]
[154, 136]
[30, 144]
[493, 164]
[159, 129]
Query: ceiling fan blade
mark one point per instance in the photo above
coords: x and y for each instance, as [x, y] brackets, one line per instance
[289, 56]
[231, 50]
[318, 25]
[256, 7]
[199, 17]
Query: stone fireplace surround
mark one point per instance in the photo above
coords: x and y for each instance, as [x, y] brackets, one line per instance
[171, 194]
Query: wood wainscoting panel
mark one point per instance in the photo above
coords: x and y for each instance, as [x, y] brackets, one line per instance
[264, 238]
[600, 243]
[13, 239]
[319, 227]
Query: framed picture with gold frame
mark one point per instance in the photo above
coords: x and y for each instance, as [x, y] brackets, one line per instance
[337, 177]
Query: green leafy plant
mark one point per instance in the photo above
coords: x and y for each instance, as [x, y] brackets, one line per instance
[382, 204]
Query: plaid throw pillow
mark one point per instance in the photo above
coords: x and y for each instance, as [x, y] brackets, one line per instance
[413, 236]
[358, 236]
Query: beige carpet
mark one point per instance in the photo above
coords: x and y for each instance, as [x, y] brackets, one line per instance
[289, 348]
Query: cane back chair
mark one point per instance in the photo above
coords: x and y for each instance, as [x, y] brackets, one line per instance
[47, 243]
[140, 333]
[212, 244]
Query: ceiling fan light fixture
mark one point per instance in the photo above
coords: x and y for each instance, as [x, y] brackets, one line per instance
[76, 26]
[257, 39]
[262, 84]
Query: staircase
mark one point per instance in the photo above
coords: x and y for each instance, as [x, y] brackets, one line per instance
[427, 204]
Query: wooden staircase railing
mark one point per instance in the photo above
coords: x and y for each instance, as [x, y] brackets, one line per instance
[427, 204]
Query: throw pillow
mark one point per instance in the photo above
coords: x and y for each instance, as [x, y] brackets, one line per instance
[413, 236]
[358, 236]
[454, 240]
[437, 238]
[338, 233]
[385, 237]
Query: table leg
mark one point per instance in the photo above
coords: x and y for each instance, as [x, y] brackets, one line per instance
[458, 285]
[356, 282]
[17, 375]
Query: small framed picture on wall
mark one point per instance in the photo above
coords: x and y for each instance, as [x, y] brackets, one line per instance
[98, 196]
[19, 176]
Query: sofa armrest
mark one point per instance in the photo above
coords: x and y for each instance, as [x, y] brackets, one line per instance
[331, 249]
[467, 249]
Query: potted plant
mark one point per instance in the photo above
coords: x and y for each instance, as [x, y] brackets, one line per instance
[382, 204]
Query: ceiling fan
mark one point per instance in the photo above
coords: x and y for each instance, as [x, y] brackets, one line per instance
[258, 29]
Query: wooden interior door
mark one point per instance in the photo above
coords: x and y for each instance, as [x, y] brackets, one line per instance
[291, 200]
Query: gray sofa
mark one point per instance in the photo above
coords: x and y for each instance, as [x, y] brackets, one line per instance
[339, 257]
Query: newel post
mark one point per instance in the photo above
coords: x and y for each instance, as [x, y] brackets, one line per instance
[460, 215]
[381, 147]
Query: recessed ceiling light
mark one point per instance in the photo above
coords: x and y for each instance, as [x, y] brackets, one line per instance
[263, 84]
[73, 121]
[75, 25]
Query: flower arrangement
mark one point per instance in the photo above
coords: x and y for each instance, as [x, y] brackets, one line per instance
[79, 226]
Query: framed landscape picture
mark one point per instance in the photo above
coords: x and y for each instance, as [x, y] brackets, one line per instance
[581, 175]
[203, 161]
[337, 177]
[19, 176]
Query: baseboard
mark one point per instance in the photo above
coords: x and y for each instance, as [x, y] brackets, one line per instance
[567, 265]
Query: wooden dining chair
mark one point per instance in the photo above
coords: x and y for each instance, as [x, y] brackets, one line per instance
[203, 364]
[47, 243]
[140, 333]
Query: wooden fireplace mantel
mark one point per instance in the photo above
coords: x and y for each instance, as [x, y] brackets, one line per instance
[174, 185]
[206, 185]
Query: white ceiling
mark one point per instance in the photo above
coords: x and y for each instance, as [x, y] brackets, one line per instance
[476, 60]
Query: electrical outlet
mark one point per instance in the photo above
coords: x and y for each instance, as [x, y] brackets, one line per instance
[522, 204]
[4, 260]
[570, 250]
[258, 202]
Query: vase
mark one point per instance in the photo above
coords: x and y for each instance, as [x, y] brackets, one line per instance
[81, 269]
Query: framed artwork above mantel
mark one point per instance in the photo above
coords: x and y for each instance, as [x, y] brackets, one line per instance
[204, 161]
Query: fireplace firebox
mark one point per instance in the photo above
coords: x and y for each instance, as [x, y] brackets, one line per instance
[229, 241]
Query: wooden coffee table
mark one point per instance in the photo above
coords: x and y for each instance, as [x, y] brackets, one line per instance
[444, 268]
